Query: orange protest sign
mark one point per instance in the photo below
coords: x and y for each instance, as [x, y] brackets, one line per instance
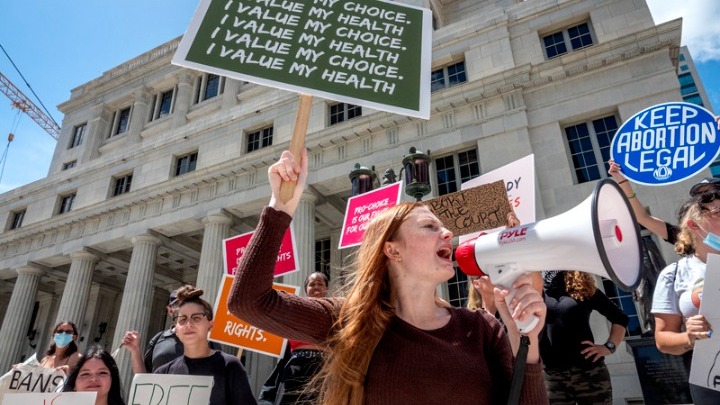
[231, 330]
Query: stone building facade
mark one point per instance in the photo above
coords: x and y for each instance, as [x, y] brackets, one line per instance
[156, 164]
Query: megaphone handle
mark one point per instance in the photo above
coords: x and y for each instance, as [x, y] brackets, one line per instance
[506, 283]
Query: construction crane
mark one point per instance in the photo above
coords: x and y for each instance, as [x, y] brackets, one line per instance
[24, 104]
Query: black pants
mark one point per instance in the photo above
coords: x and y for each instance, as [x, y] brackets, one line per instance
[298, 372]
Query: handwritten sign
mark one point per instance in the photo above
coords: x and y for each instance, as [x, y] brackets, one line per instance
[361, 209]
[475, 209]
[170, 389]
[371, 53]
[51, 398]
[231, 330]
[234, 249]
[519, 178]
[705, 370]
[30, 376]
[666, 143]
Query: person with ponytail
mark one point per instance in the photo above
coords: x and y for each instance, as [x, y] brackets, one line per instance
[63, 352]
[193, 318]
[679, 289]
[389, 338]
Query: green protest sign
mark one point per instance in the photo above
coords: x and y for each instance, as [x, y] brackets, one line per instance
[369, 52]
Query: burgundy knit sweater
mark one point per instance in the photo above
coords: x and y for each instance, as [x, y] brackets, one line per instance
[467, 361]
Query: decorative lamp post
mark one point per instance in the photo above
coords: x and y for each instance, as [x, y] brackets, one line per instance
[417, 173]
[362, 179]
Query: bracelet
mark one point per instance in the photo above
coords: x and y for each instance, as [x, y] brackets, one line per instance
[621, 182]
[631, 196]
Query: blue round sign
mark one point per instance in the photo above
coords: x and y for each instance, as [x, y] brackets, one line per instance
[666, 143]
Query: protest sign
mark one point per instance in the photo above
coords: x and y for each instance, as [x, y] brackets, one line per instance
[234, 249]
[370, 53]
[361, 209]
[705, 370]
[666, 143]
[51, 398]
[519, 178]
[231, 330]
[170, 389]
[30, 376]
[472, 210]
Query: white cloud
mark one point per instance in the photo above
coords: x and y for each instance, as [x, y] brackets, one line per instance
[701, 24]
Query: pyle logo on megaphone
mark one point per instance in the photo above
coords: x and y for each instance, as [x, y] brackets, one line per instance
[599, 236]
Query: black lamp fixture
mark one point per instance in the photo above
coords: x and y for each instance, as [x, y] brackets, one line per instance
[416, 166]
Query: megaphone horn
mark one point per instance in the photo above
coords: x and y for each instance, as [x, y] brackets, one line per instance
[598, 236]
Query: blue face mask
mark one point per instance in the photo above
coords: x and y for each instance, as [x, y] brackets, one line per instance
[712, 241]
[62, 339]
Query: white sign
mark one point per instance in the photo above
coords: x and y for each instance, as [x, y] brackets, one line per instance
[519, 178]
[705, 370]
[30, 376]
[170, 389]
[51, 398]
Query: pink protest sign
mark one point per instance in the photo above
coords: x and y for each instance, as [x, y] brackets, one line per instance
[234, 248]
[361, 209]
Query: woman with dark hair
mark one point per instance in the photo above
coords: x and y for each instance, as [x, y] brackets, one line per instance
[193, 318]
[390, 339]
[97, 372]
[62, 354]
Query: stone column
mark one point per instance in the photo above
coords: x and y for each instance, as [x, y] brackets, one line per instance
[304, 226]
[137, 299]
[183, 100]
[19, 312]
[230, 92]
[95, 133]
[139, 116]
[77, 288]
[211, 269]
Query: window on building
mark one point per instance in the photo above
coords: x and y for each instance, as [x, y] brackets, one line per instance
[162, 104]
[66, 202]
[120, 122]
[322, 256]
[457, 289]
[208, 86]
[689, 90]
[573, 38]
[624, 301]
[69, 165]
[448, 76]
[78, 135]
[186, 163]
[453, 170]
[589, 146]
[259, 139]
[17, 219]
[684, 68]
[342, 112]
[682, 57]
[122, 184]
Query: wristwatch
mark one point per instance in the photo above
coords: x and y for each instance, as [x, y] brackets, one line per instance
[610, 346]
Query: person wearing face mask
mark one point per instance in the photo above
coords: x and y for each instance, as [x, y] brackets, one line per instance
[678, 292]
[63, 352]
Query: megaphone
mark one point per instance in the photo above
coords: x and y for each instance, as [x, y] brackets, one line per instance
[598, 236]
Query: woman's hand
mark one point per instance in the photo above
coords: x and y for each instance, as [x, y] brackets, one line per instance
[287, 168]
[65, 369]
[526, 303]
[697, 327]
[594, 352]
[131, 341]
[615, 171]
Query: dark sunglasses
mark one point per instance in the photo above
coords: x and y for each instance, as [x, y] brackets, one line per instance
[708, 197]
[67, 332]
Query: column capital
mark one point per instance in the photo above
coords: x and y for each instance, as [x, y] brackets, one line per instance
[83, 255]
[185, 76]
[217, 218]
[141, 95]
[145, 238]
[308, 197]
[30, 270]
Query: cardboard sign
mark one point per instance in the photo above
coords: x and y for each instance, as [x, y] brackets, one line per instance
[666, 143]
[234, 248]
[30, 376]
[370, 53]
[231, 330]
[705, 370]
[51, 398]
[170, 389]
[361, 209]
[472, 210]
[519, 178]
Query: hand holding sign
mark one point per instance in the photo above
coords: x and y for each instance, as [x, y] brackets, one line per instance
[297, 143]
